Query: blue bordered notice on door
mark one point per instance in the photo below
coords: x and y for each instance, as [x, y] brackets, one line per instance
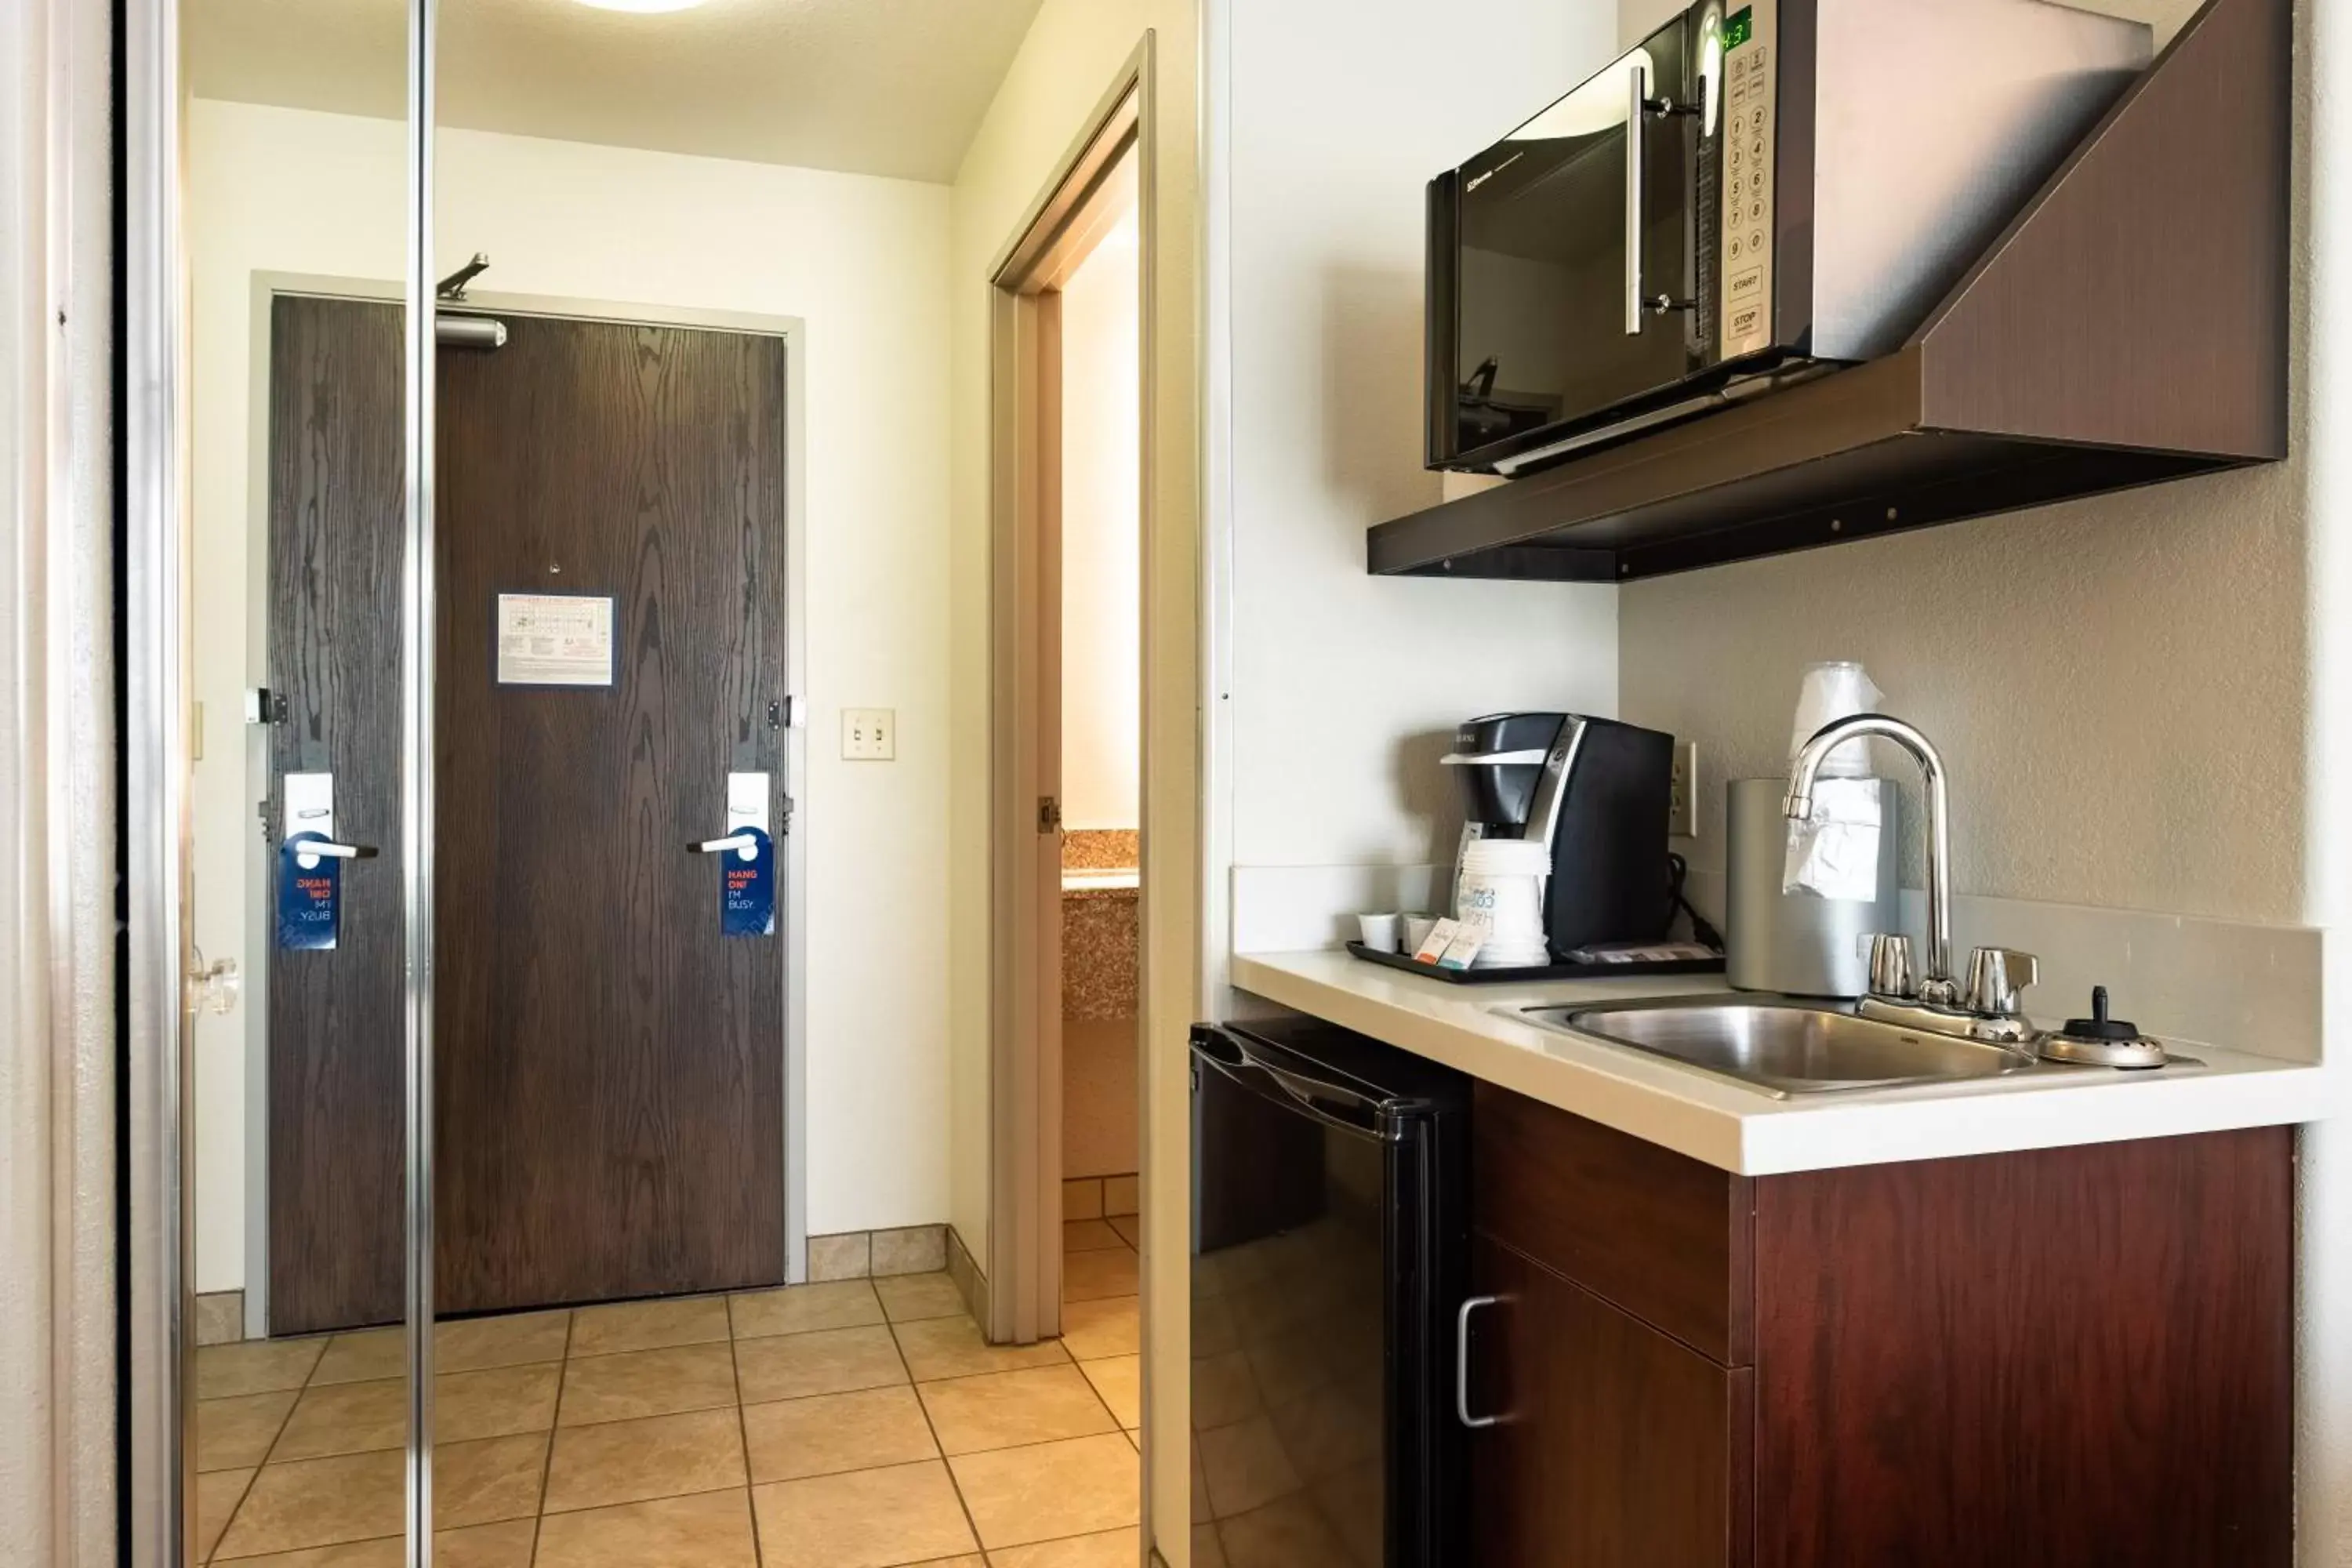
[555, 639]
[747, 886]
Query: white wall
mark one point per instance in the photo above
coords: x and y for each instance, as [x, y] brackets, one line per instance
[864, 262]
[1102, 544]
[1344, 687]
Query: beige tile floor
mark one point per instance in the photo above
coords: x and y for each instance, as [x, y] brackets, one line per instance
[853, 1424]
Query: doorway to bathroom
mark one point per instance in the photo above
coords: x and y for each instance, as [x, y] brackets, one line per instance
[1065, 1237]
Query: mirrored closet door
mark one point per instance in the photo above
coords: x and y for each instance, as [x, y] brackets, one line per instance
[298, 183]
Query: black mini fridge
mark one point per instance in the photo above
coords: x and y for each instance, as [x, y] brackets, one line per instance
[1331, 1234]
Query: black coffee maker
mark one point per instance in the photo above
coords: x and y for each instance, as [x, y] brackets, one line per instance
[1600, 794]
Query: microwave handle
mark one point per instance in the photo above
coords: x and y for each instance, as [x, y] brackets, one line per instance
[1636, 111]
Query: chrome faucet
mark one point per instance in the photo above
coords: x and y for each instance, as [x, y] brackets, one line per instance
[1988, 1009]
[1937, 986]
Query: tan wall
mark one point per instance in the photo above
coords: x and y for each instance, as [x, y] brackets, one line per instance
[2145, 700]
[1074, 52]
[2116, 687]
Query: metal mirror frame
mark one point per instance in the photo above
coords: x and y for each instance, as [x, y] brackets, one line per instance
[157, 1244]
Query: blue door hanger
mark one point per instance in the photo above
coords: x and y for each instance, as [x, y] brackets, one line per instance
[309, 895]
[747, 885]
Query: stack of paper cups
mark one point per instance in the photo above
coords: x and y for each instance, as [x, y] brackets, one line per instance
[1502, 888]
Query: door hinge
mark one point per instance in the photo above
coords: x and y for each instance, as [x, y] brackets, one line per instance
[263, 706]
[1049, 814]
[785, 831]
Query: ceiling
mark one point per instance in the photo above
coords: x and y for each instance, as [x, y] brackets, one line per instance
[872, 87]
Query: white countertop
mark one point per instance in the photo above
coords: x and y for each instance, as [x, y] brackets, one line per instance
[1746, 1130]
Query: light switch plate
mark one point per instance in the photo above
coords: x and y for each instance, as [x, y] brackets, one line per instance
[869, 735]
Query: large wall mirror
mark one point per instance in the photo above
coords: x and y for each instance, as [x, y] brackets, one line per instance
[589, 1142]
[297, 205]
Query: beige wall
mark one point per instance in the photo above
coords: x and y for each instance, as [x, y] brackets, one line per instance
[1074, 52]
[2144, 701]
[1102, 719]
[2117, 686]
[863, 262]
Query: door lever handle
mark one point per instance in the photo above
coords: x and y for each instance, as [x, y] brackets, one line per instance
[721, 845]
[332, 851]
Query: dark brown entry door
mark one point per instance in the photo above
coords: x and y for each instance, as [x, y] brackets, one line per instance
[609, 1066]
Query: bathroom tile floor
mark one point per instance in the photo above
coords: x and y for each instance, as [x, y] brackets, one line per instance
[859, 1423]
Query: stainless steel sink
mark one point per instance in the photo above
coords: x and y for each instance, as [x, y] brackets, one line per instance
[1787, 1049]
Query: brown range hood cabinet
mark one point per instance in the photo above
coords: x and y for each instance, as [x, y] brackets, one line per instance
[2128, 327]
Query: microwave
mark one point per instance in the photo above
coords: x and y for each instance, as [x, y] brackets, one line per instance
[1756, 192]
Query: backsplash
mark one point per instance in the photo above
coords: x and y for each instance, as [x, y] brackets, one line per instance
[2243, 985]
[1101, 850]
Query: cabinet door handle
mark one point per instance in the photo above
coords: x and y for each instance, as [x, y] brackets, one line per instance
[1462, 1364]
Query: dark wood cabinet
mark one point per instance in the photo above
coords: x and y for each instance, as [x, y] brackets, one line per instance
[2041, 1359]
[1614, 1447]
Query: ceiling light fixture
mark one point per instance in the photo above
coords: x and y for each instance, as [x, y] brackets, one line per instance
[645, 6]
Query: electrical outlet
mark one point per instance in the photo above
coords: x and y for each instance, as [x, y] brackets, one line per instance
[869, 735]
[1682, 798]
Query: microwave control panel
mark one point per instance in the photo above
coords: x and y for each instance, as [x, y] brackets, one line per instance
[1751, 59]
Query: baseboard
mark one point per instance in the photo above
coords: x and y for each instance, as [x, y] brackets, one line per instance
[970, 1279]
[220, 1318]
[2239, 984]
[869, 1254]
[1297, 909]
[1101, 1197]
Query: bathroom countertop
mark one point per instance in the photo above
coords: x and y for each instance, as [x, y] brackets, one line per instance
[1745, 1130]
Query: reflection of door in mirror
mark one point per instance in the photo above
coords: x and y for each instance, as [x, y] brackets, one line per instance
[706, 984]
[334, 1020]
[297, 376]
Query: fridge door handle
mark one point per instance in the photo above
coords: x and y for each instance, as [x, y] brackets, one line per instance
[1331, 1104]
[1462, 1365]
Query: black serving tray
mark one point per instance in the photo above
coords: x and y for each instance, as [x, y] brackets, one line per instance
[1542, 970]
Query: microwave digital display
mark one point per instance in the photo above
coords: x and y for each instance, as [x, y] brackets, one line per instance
[1738, 27]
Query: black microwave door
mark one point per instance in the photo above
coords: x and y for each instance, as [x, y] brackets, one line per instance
[1541, 270]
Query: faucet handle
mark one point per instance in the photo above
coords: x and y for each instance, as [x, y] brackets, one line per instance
[1997, 977]
[1891, 973]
